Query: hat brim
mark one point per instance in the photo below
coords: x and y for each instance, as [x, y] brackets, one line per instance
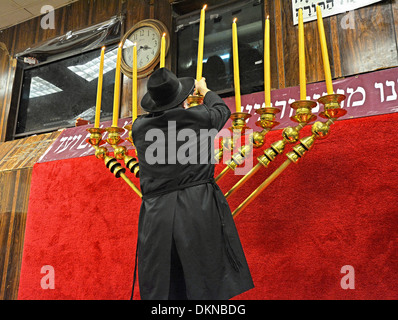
[187, 87]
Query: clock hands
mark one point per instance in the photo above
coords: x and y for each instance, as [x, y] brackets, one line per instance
[144, 47]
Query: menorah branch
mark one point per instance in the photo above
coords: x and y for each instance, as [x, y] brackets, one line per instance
[290, 135]
[111, 163]
[261, 188]
[320, 130]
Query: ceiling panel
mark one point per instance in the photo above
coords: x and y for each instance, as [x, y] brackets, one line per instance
[13, 12]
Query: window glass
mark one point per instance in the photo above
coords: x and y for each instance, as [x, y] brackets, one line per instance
[218, 60]
[54, 95]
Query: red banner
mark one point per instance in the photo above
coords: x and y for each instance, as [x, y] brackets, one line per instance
[366, 95]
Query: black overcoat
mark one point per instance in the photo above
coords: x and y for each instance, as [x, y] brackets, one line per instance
[182, 204]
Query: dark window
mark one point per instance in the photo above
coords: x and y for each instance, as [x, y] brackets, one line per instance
[55, 94]
[218, 60]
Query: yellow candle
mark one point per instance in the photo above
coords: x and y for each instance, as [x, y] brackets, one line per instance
[201, 44]
[303, 77]
[135, 83]
[99, 90]
[163, 51]
[267, 64]
[325, 54]
[116, 100]
[238, 102]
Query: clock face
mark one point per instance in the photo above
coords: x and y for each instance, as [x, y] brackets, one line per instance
[148, 44]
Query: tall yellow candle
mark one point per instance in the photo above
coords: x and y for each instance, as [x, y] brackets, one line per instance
[135, 84]
[303, 77]
[325, 54]
[238, 102]
[116, 99]
[99, 90]
[267, 64]
[201, 44]
[163, 51]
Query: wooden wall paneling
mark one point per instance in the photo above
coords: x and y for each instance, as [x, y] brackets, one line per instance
[279, 44]
[290, 45]
[43, 35]
[371, 44]
[7, 37]
[78, 15]
[314, 66]
[14, 191]
[269, 10]
[6, 148]
[26, 35]
[102, 10]
[26, 152]
[163, 12]
[335, 47]
[394, 8]
[7, 73]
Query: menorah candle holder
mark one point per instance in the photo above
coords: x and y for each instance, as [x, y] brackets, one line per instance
[194, 100]
[267, 122]
[303, 111]
[320, 130]
[332, 106]
[95, 140]
[238, 129]
[290, 135]
[120, 152]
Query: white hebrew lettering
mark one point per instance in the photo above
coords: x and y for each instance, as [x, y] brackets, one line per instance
[380, 86]
[393, 96]
[352, 93]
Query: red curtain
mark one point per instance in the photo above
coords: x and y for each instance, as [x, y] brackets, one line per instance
[336, 207]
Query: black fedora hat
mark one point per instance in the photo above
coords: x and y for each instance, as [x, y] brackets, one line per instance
[166, 91]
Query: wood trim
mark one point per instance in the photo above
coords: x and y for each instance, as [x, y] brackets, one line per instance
[9, 69]
[394, 8]
[335, 47]
[279, 44]
[13, 211]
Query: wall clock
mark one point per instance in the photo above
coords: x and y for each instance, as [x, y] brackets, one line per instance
[147, 34]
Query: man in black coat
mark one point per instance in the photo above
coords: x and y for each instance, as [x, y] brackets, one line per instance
[188, 245]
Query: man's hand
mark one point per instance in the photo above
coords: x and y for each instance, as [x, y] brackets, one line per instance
[201, 87]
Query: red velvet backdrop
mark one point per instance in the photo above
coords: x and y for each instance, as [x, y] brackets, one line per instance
[337, 207]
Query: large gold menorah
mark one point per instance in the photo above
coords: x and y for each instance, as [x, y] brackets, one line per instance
[320, 130]
[256, 139]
